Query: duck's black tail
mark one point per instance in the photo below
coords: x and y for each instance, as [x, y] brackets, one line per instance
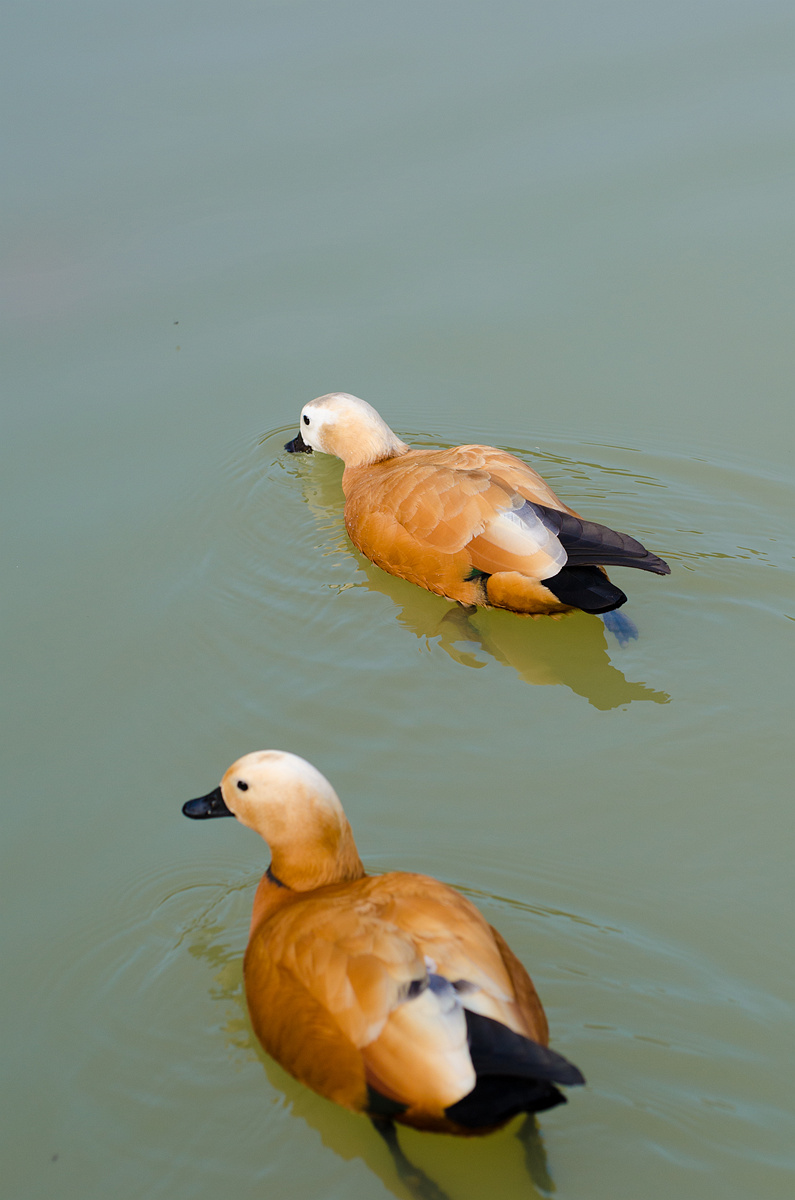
[513, 1074]
[586, 542]
[589, 546]
[587, 588]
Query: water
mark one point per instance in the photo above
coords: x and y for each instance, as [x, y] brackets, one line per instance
[566, 230]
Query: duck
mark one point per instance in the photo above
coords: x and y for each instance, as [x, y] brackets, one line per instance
[472, 523]
[388, 994]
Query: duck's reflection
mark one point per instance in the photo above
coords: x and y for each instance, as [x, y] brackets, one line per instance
[511, 1162]
[571, 651]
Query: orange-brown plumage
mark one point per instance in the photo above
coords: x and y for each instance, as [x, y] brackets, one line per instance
[372, 989]
[472, 523]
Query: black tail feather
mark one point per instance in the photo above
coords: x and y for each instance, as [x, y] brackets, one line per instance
[586, 588]
[495, 1099]
[497, 1050]
[514, 1074]
[587, 543]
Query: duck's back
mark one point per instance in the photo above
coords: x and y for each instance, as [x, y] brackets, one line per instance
[409, 478]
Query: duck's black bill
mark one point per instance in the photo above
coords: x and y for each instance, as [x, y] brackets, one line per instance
[211, 805]
[297, 446]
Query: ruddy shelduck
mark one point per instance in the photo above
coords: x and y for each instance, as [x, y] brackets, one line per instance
[389, 994]
[472, 523]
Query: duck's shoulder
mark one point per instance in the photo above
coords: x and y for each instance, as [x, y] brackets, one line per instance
[352, 917]
[340, 905]
[519, 476]
[412, 892]
[428, 460]
[417, 465]
[393, 916]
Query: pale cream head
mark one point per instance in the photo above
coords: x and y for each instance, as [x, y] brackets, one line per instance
[349, 428]
[296, 810]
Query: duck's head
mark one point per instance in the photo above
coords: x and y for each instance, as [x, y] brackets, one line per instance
[347, 427]
[295, 809]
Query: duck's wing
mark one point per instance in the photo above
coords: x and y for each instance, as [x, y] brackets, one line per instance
[300, 1032]
[439, 504]
[354, 963]
[585, 542]
[507, 517]
[341, 996]
[414, 511]
[492, 512]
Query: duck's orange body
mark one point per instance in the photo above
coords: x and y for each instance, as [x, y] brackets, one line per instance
[390, 994]
[428, 516]
[472, 523]
[326, 971]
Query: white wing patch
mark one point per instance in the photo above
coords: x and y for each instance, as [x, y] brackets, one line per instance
[423, 1048]
[523, 534]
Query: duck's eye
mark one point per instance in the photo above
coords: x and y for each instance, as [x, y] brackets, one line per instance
[306, 419]
[242, 786]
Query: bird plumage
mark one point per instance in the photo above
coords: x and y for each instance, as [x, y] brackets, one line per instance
[472, 523]
[376, 991]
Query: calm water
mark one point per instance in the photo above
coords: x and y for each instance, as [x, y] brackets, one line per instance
[563, 229]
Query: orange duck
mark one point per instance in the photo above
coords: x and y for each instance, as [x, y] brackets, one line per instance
[389, 994]
[472, 523]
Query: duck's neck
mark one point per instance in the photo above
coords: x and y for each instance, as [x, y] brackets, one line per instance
[288, 877]
[304, 866]
[363, 447]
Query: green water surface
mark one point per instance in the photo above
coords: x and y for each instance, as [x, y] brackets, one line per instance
[565, 229]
